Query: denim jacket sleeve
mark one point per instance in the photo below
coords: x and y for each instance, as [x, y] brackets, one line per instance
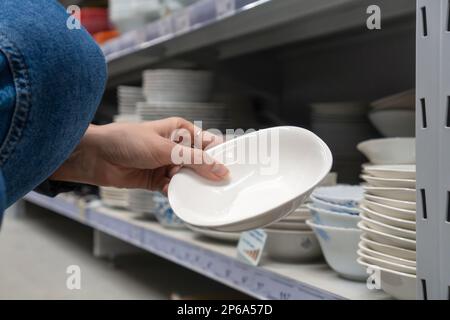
[51, 82]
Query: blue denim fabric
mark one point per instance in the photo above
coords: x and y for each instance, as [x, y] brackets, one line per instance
[51, 82]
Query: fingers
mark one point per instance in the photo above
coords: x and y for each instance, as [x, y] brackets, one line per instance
[198, 138]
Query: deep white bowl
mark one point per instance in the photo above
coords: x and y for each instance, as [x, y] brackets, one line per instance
[340, 246]
[285, 245]
[333, 219]
[389, 150]
[257, 192]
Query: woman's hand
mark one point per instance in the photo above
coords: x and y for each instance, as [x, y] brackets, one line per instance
[140, 155]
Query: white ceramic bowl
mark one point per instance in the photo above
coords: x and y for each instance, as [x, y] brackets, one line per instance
[334, 219]
[383, 227]
[368, 251]
[333, 207]
[405, 99]
[398, 284]
[389, 150]
[391, 183]
[389, 171]
[394, 122]
[341, 194]
[258, 191]
[403, 194]
[407, 205]
[388, 249]
[285, 245]
[389, 220]
[390, 211]
[340, 246]
[386, 238]
[386, 264]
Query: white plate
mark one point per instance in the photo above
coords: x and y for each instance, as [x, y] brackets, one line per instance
[401, 171]
[389, 150]
[292, 245]
[407, 205]
[388, 249]
[394, 122]
[341, 194]
[386, 264]
[386, 238]
[257, 192]
[403, 194]
[392, 221]
[300, 213]
[398, 284]
[390, 211]
[389, 183]
[339, 246]
[333, 219]
[217, 235]
[365, 249]
[286, 225]
[383, 227]
[333, 207]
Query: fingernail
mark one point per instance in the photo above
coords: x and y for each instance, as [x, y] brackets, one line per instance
[219, 170]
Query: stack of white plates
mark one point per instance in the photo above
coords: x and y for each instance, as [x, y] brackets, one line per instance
[127, 98]
[335, 217]
[394, 116]
[141, 201]
[212, 115]
[177, 85]
[389, 224]
[114, 197]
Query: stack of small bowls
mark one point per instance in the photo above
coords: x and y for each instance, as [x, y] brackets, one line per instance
[335, 217]
[388, 243]
[291, 239]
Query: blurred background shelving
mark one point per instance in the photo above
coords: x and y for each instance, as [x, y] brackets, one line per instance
[273, 62]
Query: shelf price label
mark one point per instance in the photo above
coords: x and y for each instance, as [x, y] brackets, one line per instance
[225, 8]
[182, 21]
[251, 246]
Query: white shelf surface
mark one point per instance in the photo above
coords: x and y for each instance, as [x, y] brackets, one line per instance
[216, 260]
[247, 26]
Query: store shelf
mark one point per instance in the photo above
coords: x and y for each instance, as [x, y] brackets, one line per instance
[248, 26]
[215, 260]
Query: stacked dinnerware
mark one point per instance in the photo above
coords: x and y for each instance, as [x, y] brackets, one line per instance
[133, 14]
[335, 217]
[141, 201]
[114, 197]
[183, 93]
[394, 116]
[291, 239]
[388, 214]
[127, 98]
[335, 122]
